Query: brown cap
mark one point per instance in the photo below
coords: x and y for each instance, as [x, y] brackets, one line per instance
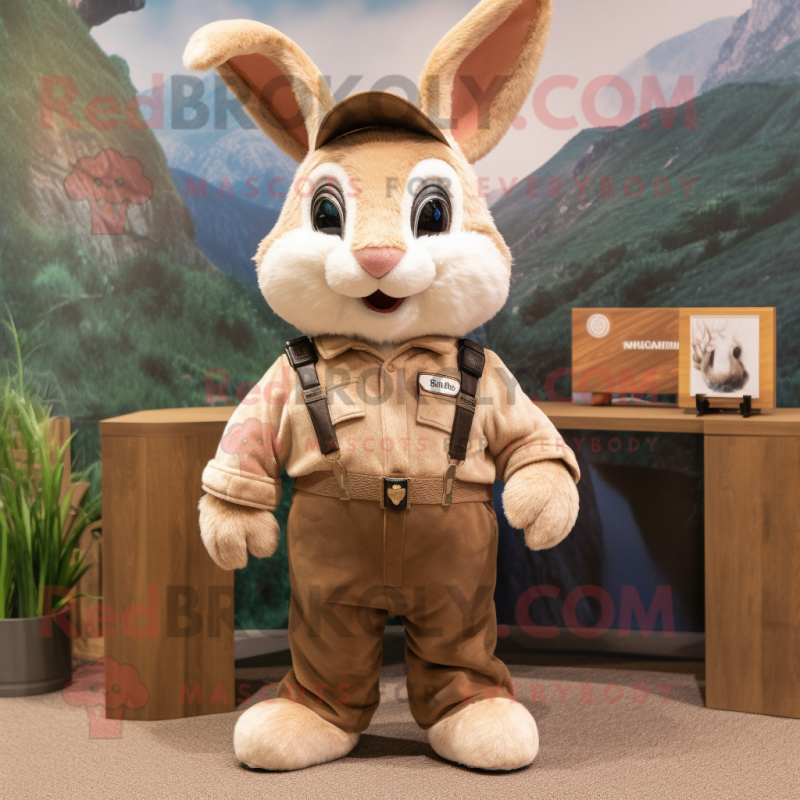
[372, 109]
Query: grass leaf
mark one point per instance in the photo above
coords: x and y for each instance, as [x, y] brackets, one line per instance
[40, 565]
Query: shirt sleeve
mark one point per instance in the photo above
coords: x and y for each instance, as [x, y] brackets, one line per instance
[518, 432]
[247, 467]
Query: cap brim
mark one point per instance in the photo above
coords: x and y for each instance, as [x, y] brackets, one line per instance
[373, 109]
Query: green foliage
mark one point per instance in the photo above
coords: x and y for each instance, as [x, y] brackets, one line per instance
[717, 216]
[781, 207]
[144, 337]
[153, 284]
[543, 302]
[601, 266]
[644, 278]
[585, 275]
[39, 563]
[786, 163]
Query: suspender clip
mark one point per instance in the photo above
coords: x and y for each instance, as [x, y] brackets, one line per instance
[449, 482]
[467, 402]
[339, 474]
[313, 394]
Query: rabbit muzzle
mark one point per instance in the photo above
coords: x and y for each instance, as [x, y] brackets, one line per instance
[378, 262]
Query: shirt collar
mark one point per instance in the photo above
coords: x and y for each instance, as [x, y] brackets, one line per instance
[330, 346]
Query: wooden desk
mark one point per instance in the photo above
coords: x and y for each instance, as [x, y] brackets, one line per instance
[152, 463]
[171, 607]
[752, 545]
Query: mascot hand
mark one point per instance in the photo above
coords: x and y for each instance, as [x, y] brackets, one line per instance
[542, 500]
[230, 530]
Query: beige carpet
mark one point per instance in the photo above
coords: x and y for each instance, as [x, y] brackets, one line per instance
[596, 742]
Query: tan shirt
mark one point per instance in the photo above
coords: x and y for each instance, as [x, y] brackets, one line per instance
[392, 414]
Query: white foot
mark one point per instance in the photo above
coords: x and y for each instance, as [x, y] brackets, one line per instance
[281, 735]
[489, 734]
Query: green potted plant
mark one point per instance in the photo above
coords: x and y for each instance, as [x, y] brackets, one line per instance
[40, 563]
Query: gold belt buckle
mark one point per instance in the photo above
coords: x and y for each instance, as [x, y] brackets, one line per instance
[394, 493]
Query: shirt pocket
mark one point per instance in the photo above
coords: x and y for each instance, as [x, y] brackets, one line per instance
[436, 410]
[346, 399]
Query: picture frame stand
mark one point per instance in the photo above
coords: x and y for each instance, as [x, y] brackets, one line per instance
[746, 406]
[704, 406]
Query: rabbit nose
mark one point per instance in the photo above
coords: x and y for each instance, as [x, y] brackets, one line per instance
[379, 261]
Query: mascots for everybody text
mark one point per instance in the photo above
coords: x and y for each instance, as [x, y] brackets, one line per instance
[393, 425]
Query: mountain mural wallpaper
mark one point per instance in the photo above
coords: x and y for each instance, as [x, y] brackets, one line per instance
[657, 164]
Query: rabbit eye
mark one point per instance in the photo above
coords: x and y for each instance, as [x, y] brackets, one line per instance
[430, 213]
[327, 211]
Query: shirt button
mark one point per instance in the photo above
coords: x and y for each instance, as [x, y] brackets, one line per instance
[391, 368]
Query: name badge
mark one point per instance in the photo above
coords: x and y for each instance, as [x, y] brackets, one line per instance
[439, 384]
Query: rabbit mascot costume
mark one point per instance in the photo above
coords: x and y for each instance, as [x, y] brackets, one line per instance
[393, 425]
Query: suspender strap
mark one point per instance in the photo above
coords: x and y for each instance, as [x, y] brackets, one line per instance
[303, 357]
[470, 361]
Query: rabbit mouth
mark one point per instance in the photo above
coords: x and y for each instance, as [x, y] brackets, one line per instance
[382, 303]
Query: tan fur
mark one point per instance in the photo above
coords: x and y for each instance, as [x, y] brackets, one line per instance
[216, 44]
[372, 158]
[282, 735]
[439, 72]
[496, 734]
[230, 530]
[453, 283]
[542, 500]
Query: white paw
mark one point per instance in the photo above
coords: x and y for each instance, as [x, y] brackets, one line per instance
[282, 735]
[497, 734]
[230, 530]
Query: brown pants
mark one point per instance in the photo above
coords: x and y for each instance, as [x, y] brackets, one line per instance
[351, 564]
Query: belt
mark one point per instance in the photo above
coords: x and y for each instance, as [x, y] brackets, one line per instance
[394, 492]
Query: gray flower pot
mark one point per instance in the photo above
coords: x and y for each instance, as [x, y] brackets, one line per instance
[35, 654]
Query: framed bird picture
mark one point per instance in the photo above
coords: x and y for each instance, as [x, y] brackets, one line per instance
[726, 354]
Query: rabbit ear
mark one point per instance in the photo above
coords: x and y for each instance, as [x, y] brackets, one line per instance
[276, 82]
[480, 73]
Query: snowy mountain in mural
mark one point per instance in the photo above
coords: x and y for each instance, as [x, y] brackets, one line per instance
[755, 47]
[227, 150]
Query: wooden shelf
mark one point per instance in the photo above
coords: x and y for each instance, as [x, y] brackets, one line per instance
[571, 416]
[168, 422]
[565, 416]
[775, 422]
